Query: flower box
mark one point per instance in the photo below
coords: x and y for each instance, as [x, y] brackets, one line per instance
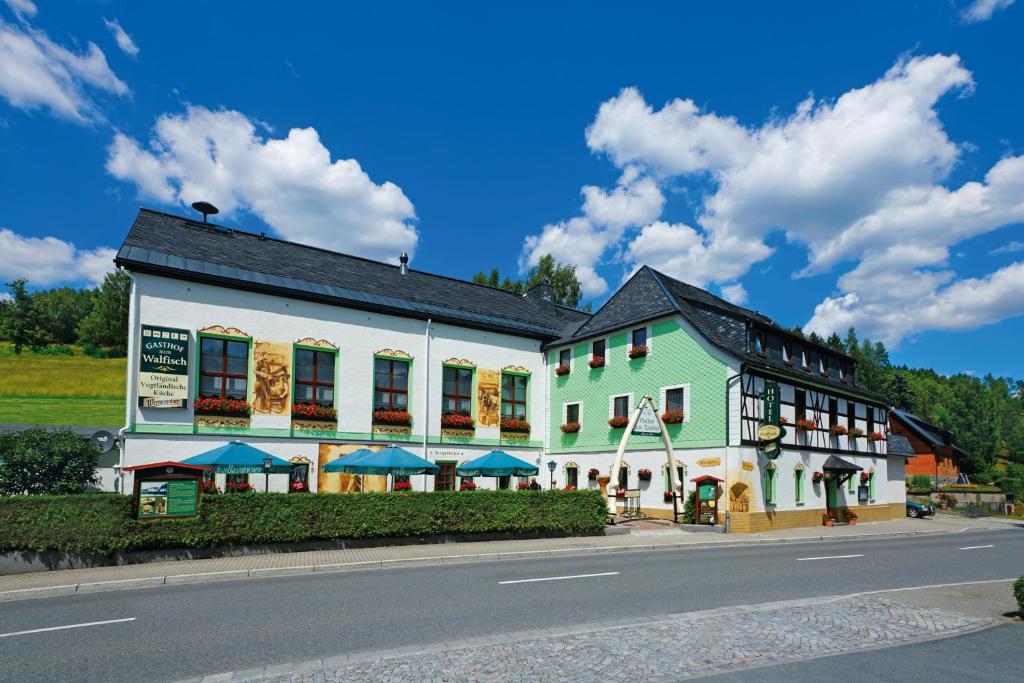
[618, 422]
[510, 424]
[298, 487]
[562, 369]
[392, 417]
[875, 436]
[637, 352]
[620, 492]
[783, 420]
[570, 487]
[457, 421]
[592, 473]
[668, 496]
[467, 486]
[402, 486]
[570, 427]
[865, 477]
[644, 475]
[837, 430]
[817, 477]
[806, 425]
[239, 487]
[855, 433]
[209, 487]
[312, 411]
[672, 417]
[229, 407]
[597, 362]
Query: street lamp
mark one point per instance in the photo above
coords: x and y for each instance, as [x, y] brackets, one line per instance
[266, 473]
[551, 468]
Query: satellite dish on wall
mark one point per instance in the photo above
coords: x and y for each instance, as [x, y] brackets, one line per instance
[205, 208]
[102, 440]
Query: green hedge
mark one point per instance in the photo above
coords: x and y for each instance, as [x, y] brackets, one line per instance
[102, 524]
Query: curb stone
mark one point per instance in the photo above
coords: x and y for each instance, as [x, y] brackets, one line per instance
[235, 574]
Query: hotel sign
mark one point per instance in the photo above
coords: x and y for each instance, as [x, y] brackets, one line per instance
[647, 423]
[163, 367]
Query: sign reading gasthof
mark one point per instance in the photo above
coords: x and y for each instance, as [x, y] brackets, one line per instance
[163, 367]
[647, 423]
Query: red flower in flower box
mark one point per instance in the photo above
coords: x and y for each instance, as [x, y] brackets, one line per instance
[570, 487]
[457, 421]
[672, 417]
[298, 487]
[313, 411]
[523, 485]
[571, 427]
[865, 477]
[597, 362]
[875, 436]
[806, 425]
[562, 369]
[239, 487]
[209, 487]
[618, 422]
[783, 420]
[401, 418]
[837, 430]
[212, 405]
[644, 474]
[403, 486]
[510, 424]
[668, 496]
[467, 486]
[592, 473]
[620, 492]
[637, 352]
[817, 477]
[855, 432]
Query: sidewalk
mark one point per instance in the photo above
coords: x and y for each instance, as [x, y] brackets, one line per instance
[69, 581]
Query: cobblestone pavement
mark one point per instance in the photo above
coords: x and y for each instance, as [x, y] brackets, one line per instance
[663, 649]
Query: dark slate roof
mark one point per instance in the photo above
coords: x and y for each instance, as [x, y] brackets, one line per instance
[926, 431]
[836, 463]
[650, 294]
[173, 246]
[898, 445]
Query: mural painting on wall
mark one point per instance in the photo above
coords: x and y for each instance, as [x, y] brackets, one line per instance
[488, 397]
[336, 482]
[272, 377]
[739, 498]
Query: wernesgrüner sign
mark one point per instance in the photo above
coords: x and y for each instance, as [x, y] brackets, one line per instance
[163, 367]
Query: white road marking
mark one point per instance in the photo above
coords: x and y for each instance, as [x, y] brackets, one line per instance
[558, 578]
[61, 628]
[976, 547]
[827, 557]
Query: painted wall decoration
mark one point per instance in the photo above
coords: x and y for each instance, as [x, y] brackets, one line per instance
[336, 482]
[228, 331]
[163, 367]
[488, 397]
[272, 377]
[322, 343]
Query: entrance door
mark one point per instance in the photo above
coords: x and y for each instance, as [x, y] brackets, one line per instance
[444, 480]
[831, 492]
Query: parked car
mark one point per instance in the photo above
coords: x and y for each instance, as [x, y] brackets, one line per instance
[915, 509]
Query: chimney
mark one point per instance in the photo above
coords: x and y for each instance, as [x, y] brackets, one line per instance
[542, 293]
[403, 261]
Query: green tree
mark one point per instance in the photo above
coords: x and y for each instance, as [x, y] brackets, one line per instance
[21, 321]
[36, 461]
[562, 278]
[835, 343]
[899, 392]
[61, 311]
[106, 326]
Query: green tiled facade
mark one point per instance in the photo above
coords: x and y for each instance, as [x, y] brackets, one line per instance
[676, 358]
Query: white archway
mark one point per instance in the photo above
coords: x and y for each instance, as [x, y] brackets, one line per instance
[676, 485]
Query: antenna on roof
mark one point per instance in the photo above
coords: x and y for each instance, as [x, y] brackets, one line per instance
[205, 208]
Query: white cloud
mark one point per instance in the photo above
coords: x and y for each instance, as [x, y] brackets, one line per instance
[735, 293]
[36, 72]
[291, 182]
[982, 10]
[1010, 247]
[121, 37]
[22, 8]
[45, 261]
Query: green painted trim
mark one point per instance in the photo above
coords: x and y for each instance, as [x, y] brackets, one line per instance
[409, 383]
[295, 365]
[516, 372]
[472, 389]
[160, 428]
[652, 446]
[248, 431]
[248, 362]
[529, 381]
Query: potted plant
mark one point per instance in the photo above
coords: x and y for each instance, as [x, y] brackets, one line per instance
[837, 430]
[570, 487]
[828, 518]
[228, 407]
[510, 424]
[637, 352]
[644, 474]
[467, 486]
[668, 496]
[400, 418]
[597, 362]
[865, 477]
[875, 436]
[523, 486]
[592, 473]
[570, 427]
[855, 432]
[562, 369]
[806, 425]
[851, 516]
[298, 487]
[457, 421]
[314, 411]
[402, 486]
[618, 422]
[620, 492]
[817, 477]
[239, 487]
[672, 417]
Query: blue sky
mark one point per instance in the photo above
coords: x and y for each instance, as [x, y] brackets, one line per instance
[827, 166]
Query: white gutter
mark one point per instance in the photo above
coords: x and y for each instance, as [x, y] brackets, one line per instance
[130, 388]
[426, 394]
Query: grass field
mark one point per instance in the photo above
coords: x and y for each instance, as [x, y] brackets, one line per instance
[78, 389]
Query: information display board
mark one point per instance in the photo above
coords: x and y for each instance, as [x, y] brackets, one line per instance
[168, 497]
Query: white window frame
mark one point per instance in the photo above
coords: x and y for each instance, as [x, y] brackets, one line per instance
[607, 349]
[629, 339]
[565, 411]
[611, 405]
[686, 399]
[558, 357]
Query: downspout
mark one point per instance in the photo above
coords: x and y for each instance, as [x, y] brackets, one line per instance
[130, 397]
[426, 393]
[728, 440]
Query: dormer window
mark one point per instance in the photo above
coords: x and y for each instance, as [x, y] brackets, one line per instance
[823, 365]
[760, 343]
[804, 360]
[842, 372]
[787, 352]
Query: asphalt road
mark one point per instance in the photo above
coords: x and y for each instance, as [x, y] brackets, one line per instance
[190, 630]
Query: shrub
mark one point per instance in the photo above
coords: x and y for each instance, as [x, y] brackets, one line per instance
[921, 482]
[1018, 592]
[690, 508]
[36, 461]
[102, 524]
